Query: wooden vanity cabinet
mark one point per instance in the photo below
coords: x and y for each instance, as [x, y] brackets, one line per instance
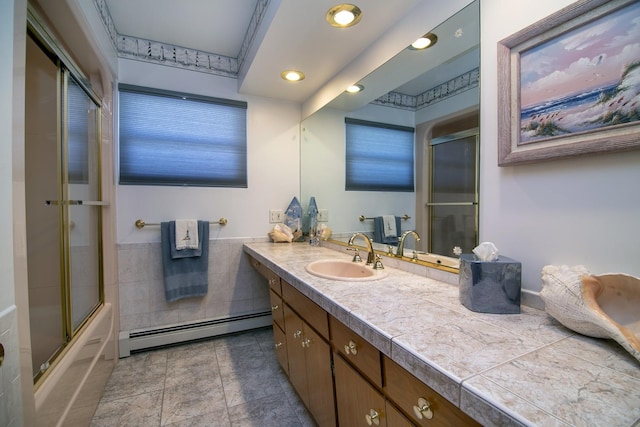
[333, 368]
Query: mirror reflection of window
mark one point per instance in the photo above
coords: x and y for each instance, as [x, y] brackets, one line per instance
[379, 157]
[453, 199]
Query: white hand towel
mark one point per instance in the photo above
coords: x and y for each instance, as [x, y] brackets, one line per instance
[187, 234]
[389, 222]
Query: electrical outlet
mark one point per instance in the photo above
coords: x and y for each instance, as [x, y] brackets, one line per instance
[276, 215]
[323, 215]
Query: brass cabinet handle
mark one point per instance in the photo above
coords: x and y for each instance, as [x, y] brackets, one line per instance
[275, 307]
[272, 282]
[373, 417]
[306, 343]
[351, 348]
[297, 334]
[423, 409]
[278, 345]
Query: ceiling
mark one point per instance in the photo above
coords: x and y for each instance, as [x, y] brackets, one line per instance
[293, 34]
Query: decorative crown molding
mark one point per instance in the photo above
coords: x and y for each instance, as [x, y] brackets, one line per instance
[176, 56]
[462, 83]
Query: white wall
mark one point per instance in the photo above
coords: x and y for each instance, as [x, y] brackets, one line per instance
[575, 211]
[273, 164]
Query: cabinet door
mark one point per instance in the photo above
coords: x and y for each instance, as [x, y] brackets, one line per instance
[280, 344]
[395, 417]
[319, 378]
[296, 354]
[359, 404]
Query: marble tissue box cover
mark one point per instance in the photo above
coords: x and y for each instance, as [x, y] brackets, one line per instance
[490, 286]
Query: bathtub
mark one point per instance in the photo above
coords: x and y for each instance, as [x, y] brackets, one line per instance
[71, 392]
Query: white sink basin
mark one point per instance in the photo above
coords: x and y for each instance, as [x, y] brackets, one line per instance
[335, 269]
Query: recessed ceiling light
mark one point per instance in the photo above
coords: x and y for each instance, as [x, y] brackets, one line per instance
[355, 88]
[292, 75]
[424, 42]
[344, 15]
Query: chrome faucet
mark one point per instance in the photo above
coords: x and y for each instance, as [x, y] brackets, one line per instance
[400, 250]
[370, 256]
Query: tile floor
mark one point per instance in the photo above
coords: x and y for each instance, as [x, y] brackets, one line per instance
[227, 381]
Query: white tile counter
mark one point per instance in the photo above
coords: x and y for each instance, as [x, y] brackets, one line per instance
[501, 369]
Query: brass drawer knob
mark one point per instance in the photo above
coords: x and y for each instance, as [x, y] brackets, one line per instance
[275, 307]
[373, 417]
[306, 343]
[423, 409]
[351, 348]
[278, 345]
[272, 282]
[297, 334]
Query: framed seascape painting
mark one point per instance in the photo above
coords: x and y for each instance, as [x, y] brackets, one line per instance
[570, 84]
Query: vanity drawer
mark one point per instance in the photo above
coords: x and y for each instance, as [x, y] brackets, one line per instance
[277, 309]
[409, 393]
[354, 348]
[274, 280]
[313, 314]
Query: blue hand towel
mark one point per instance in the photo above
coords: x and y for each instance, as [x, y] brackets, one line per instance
[378, 231]
[188, 276]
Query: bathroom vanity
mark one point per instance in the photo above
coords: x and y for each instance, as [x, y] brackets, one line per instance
[401, 350]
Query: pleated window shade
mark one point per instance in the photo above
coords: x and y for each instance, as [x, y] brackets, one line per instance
[170, 138]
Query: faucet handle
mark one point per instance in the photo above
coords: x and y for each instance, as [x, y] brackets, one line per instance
[356, 256]
[378, 264]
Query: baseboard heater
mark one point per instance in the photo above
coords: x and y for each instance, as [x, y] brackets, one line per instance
[142, 339]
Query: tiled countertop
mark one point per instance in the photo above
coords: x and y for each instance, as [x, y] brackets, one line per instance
[501, 369]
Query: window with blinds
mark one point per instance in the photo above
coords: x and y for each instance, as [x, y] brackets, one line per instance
[379, 157]
[170, 138]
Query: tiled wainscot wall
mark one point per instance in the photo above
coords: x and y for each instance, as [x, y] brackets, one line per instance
[234, 286]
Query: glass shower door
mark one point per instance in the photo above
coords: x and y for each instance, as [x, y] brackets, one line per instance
[453, 199]
[63, 207]
[83, 203]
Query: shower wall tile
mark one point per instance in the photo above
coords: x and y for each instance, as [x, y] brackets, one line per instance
[234, 286]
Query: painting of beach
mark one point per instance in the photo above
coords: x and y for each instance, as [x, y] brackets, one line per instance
[583, 80]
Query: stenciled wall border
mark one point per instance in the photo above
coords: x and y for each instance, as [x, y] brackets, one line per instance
[462, 83]
[177, 56]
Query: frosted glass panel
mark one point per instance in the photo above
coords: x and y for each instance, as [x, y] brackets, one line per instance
[453, 210]
[43, 221]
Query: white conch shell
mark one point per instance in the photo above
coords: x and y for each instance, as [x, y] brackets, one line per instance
[605, 306]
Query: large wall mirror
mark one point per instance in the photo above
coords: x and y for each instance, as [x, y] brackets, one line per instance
[434, 91]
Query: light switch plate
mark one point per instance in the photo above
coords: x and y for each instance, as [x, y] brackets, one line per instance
[276, 215]
[323, 215]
